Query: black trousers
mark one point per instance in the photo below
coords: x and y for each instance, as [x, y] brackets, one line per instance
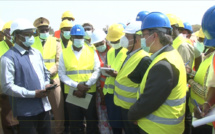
[38, 124]
[128, 126]
[77, 115]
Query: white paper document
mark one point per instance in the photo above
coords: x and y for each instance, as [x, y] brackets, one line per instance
[81, 102]
[104, 69]
[210, 117]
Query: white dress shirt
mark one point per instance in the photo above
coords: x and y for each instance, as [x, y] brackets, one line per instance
[7, 71]
[65, 79]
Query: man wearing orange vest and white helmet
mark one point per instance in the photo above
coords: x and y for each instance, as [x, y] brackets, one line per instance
[50, 49]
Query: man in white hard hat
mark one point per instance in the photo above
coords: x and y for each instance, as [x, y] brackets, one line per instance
[25, 79]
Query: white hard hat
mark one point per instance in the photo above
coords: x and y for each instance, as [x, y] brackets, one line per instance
[1, 24]
[21, 24]
[97, 36]
[133, 27]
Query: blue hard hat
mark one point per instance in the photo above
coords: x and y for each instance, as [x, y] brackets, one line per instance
[141, 15]
[188, 26]
[77, 30]
[208, 27]
[155, 20]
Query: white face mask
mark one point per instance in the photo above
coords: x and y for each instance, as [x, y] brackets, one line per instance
[199, 46]
[66, 35]
[125, 42]
[116, 46]
[78, 43]
[28, 41]
[44, 36]
[88, 34]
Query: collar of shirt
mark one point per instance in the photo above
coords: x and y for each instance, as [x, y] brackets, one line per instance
[132, 53]
[21, 50]
[156, 53]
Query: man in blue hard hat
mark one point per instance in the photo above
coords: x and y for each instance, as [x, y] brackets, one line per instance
[208, 27]
[160, 105]
[79, 71]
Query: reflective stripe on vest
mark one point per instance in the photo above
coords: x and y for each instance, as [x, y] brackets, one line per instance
[125, 88]
[169, 117]
[49, 60]
[110, 86]
[165, 121]
[79, 72]
[129, 100]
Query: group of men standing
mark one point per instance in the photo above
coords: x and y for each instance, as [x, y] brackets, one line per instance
[144, 92]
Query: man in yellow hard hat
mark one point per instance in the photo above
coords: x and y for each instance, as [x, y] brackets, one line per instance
[50, 49]
[115, 57]
[179, 43]
[65, 28]
[9, 122]
[65, 16]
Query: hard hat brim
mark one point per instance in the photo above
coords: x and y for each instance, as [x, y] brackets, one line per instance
[209, 43]
[114, 39]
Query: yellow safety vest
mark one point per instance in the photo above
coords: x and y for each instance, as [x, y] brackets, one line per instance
[177, 42]
[3, 48]
[125, 93]
[199, 78]
[115, 63]
[169, 117]
[79, 70]
[68, 45]
[48, 51]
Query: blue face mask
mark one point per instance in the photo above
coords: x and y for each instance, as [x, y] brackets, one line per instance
[101, 48]
[44, 36]
[28, 41]
[143, 45]
[78, 43]
[66, 35]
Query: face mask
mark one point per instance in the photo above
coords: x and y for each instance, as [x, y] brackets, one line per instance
[44, 36]
[66, 35]
[78, 43]
[116, 46]
[28, 41]
[125, 42]
[101, 48]
[143, 45]
[88, 34]
[199, 46]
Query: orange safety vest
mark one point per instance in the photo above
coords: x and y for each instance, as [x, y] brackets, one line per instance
[102, 77]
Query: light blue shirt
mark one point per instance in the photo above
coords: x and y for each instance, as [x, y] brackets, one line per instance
[156, 53]
[7, 71]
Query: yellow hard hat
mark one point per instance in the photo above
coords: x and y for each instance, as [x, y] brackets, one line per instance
[67, 14]
[7, 25]
[172, 18]
[65, 23]
[180, 22]
[115, 32]
[200, 33]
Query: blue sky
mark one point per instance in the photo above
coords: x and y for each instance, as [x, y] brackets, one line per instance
[100, 13]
